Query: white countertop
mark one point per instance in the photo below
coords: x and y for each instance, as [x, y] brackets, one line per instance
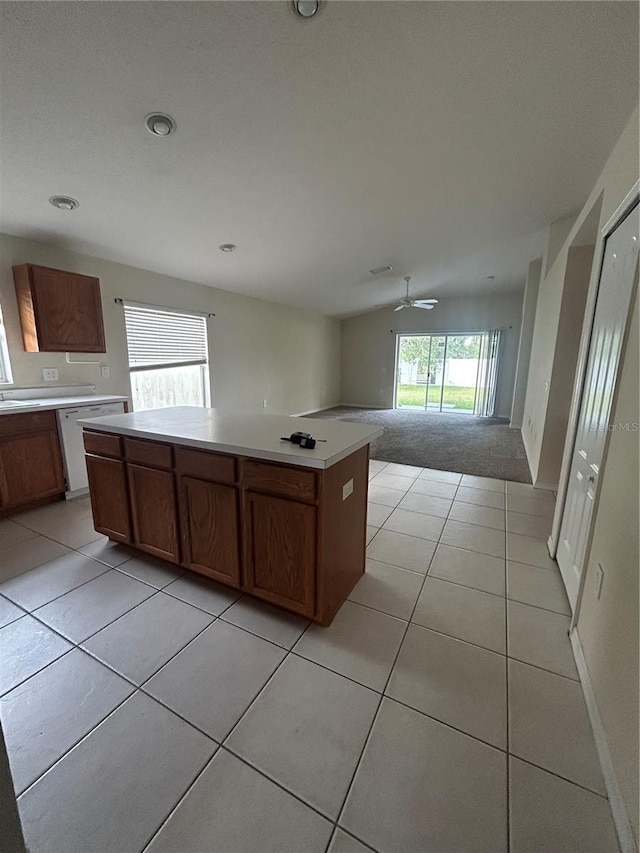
[255, 434]
[60, 403]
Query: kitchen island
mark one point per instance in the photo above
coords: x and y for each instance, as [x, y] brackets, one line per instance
[222, 494]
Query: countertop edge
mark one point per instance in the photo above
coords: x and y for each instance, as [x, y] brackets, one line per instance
[47, 407]
[238, 450]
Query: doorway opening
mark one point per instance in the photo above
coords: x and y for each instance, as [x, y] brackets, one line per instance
[456, 373]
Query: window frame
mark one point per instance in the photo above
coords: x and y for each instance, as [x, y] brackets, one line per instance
[203, 363]
[6, 374]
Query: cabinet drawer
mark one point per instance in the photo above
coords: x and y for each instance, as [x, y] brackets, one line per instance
[102, 444]
[280, 480]
[27, 422]
[214, 467]
[148, 453]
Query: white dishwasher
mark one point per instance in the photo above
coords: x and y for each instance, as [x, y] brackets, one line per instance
[75, 468]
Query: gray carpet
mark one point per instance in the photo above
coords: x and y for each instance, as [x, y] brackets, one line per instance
[463, 443]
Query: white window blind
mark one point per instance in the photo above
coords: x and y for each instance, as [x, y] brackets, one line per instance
[162, 337]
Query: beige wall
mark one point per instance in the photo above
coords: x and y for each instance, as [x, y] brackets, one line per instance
[369, 343]
[608, 627]
[529, 302]
[258, 350]
[544, 427]
[574, 297]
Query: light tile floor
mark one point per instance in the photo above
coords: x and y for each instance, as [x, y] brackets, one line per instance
[149, 709]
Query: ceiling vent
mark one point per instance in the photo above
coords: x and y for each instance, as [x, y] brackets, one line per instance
[380, 270]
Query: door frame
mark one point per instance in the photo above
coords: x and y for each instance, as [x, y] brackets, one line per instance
[631, 199]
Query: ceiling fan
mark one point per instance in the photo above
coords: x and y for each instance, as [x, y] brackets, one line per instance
[407, 302]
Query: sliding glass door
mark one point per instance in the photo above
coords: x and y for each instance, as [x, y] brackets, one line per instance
[448, 373]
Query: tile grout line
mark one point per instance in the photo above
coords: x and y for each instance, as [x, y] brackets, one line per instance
[221, 744]
[288, 652]
[383, 694]
[507, 698]
[138, 688]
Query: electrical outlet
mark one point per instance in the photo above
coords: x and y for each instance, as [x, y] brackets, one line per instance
[599, 580]
[347, 489]
[264, 404]
[50, 374]
[104, 370]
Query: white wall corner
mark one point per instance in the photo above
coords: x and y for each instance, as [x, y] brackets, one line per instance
[557, 237]
[621, 820]
[313, 411]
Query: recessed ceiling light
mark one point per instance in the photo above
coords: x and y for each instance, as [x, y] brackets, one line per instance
[64, 202]
[227, 247]
[306, 8]
[379, 270]
[160, 124]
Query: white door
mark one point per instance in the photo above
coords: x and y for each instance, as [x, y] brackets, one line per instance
[617, 277]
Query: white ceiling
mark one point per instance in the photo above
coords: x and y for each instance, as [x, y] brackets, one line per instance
[439, 137]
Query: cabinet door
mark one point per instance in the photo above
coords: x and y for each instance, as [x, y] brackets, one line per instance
[67, 311]
[30, 468]
[109, 497]
[209, 522]
[153, 511]
[280, 543]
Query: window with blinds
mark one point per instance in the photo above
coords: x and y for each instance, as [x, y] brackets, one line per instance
[161, 337]
[168, 357]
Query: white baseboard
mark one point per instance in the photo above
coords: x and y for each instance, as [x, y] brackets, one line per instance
[515, 426]
[313, 411]
[618, 810]
[362, 406]
[549, 487]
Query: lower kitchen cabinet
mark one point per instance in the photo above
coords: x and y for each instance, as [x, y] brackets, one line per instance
[287, 534]
[30, 460]
[280, 558]
[210, 533]
[152, 496]
[110, 499]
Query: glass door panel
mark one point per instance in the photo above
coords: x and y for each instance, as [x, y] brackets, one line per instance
[448, 373]
[435, 372]
[460, 374]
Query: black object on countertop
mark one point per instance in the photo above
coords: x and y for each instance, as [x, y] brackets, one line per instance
[304, 439]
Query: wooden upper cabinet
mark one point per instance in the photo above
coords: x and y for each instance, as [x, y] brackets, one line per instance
[59, 311]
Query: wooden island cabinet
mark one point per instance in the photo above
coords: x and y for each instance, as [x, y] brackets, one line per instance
[278, 528]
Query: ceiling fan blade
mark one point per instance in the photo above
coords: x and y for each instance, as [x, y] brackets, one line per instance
[400, 307]
[426, 301]
[426, 307]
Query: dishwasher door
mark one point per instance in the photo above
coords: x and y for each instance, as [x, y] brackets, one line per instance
[75, 468]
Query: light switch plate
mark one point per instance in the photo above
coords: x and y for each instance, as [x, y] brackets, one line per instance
[50, 374]
[347, 489]
[104, 370]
